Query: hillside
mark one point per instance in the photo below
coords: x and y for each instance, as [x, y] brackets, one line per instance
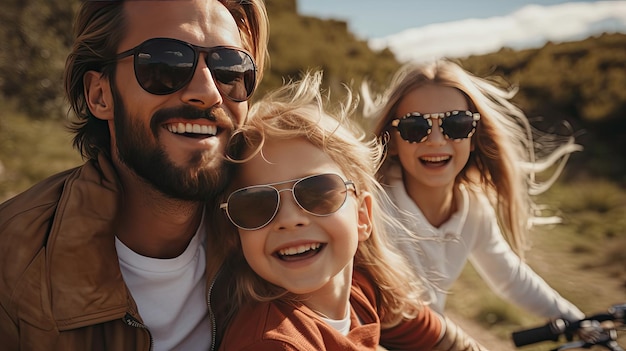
[578, 82]
[581, 83]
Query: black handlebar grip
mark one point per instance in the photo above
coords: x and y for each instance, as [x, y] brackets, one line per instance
[550, 331]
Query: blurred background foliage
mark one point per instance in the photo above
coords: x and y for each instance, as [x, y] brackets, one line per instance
[582, 83]
[36, 36]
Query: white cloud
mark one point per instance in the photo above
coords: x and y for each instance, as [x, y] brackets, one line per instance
[530, 27]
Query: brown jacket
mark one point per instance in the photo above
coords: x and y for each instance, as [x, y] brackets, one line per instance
[284, 324]
[60, 283]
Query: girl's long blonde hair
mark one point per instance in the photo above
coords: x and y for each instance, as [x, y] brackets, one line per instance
[503, 163]
[297, 111]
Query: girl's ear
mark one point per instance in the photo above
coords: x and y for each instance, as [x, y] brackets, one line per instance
[365, 215]
[98, 95]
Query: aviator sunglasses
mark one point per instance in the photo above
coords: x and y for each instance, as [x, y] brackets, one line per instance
[164, 66]
[254, 207]
[415, 127]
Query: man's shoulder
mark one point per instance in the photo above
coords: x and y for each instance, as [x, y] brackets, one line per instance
[24, 224]
[79, 203]
[45, 195]
[38, 198]
[27, 219]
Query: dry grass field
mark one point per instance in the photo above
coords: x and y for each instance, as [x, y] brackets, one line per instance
[584, 259]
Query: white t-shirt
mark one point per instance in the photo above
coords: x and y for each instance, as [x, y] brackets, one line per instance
[472, 233]
[171, 294]
[341, 325]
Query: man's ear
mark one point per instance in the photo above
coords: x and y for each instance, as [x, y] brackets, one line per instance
[98, 95]
[365, 215]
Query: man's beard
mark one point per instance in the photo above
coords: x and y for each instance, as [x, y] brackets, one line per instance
[200, 179]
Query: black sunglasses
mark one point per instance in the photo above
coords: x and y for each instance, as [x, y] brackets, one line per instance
[255, 206]
[415, 127]
[164, 66]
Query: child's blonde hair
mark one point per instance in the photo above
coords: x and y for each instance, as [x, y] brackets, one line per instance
[297, 111]
[503, 163]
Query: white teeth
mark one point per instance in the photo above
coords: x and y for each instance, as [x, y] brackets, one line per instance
[435, 158]
[299, 249]
[181, 128]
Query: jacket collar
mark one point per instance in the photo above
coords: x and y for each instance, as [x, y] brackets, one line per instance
[86, 284]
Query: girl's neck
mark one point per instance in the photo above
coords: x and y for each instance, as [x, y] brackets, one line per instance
[437, 204]
[333, 299]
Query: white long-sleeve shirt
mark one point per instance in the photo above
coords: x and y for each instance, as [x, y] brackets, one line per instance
[472, 233]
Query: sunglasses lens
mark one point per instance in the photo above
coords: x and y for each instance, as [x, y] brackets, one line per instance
[322, 194]
[414, 129]
[164, 66]
[458, 126]
[234, 72]
[253, 207]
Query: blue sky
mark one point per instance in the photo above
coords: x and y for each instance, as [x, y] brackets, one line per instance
[418, 30]
[377, 18]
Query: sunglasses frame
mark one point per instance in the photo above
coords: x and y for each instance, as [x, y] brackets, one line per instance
[197, 51]
[440, 117]
[224, 205]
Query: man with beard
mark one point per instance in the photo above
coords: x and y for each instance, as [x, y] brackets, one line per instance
[117, 254]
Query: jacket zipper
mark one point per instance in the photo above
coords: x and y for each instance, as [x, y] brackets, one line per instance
[211, 314]
[133, 322]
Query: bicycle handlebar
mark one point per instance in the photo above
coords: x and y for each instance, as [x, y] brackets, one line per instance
[548, 332]
[554, 329]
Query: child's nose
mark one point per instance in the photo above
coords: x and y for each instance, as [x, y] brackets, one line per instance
[290, 215]
[436, 136]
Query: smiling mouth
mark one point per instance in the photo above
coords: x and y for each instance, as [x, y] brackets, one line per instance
[299, 252]
[192, 130]
[435, 160]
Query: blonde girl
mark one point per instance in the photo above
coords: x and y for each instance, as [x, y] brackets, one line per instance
[313, 268]
[461, 166]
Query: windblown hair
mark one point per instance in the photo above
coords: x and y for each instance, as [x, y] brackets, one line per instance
[297, 111]
[98, 29]
[503, 163]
